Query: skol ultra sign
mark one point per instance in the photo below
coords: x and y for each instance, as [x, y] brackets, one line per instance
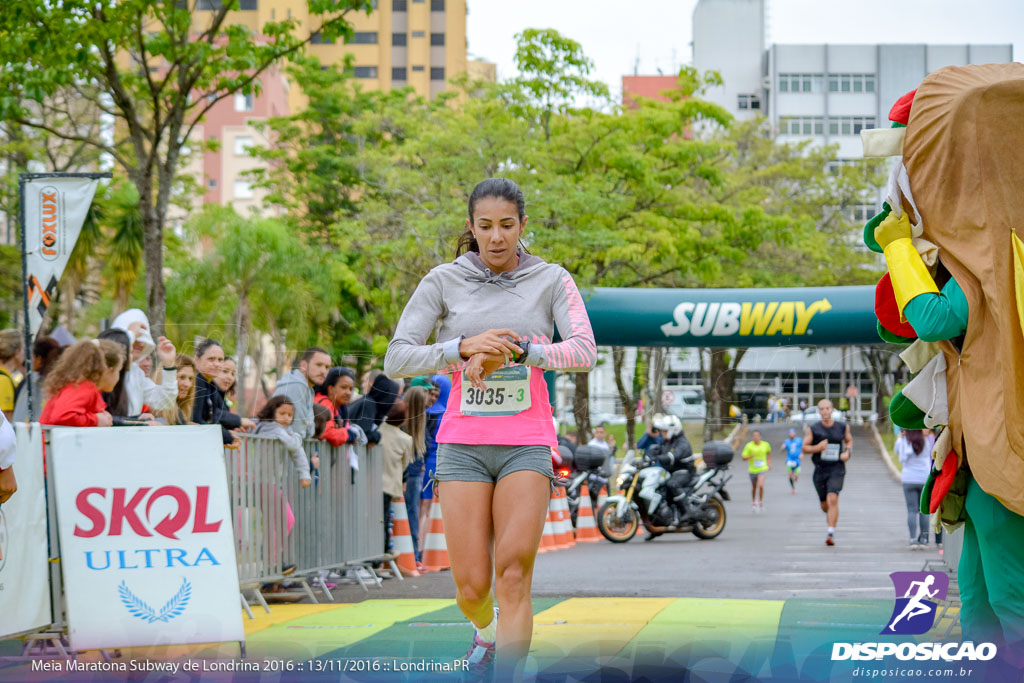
[147, 546]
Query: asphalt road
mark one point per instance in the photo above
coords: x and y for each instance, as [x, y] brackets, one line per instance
[776, 554]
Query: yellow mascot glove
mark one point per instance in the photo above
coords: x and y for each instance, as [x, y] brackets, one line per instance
[907, 271]
[892, 229]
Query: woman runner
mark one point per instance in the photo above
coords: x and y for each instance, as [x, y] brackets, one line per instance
[497, 306]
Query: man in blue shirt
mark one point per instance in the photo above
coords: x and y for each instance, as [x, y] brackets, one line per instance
[793, 447]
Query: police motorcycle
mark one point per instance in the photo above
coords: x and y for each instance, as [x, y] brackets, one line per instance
[665, 492]
[584, 465]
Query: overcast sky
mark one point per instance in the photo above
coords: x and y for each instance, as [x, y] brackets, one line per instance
[648, 35]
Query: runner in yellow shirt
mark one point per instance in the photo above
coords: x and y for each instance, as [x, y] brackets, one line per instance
[758, 455]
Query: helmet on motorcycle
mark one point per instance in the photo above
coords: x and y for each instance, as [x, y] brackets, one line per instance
[674, 428]
[670, 424]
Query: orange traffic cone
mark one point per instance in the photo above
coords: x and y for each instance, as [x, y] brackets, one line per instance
[602, 497]
[547, 539]
[557, 521]
[435, 548]
[401, 539]
[586, 529]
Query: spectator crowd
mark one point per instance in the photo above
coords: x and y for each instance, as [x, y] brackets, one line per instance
[124, 377]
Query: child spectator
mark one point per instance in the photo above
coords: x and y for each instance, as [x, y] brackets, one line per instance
[275, 420]
[75, 383]
[334, 395]
[182, 414]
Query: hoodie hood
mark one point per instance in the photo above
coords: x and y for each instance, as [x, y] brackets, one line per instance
[474, 270]
[135, 315]
[444, 385]
[294, 377]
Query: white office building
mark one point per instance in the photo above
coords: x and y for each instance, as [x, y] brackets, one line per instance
[824, 92]
[827, 93]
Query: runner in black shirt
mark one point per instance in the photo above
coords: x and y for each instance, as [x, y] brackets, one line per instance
[829, 443]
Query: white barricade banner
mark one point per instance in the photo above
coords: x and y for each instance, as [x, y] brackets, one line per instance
[147, 549]
[24, 571]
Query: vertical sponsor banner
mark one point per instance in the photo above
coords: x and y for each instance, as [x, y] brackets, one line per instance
[147, 550]
[24, 572]
[54, 210]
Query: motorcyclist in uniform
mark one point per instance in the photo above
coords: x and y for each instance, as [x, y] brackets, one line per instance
[674, 453]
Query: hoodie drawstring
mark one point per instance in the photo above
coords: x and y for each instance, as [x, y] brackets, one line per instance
[493, 279]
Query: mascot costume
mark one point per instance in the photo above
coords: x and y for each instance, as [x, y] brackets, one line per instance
[951, 233]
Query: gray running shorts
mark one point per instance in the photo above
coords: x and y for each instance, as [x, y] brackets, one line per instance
[472, 462]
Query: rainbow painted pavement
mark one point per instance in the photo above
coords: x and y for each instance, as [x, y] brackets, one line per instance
[625, 638]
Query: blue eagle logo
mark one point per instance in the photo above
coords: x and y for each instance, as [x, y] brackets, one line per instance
[138, 607]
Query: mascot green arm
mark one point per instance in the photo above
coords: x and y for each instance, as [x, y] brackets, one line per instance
[938, 316]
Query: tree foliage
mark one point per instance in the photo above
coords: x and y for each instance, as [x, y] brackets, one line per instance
[156, 67]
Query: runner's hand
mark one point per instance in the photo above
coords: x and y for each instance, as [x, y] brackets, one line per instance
[844, 456]
[305, 482]
[481, 365]
[104, 419]
[492, 342]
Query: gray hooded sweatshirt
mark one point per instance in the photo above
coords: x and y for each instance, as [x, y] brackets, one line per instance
[463, 299]
[295, 386]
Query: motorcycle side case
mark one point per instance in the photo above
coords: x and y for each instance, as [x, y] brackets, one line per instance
[717, 453]
[589, 458]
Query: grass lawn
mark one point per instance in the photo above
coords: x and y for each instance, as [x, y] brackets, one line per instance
[889, 439]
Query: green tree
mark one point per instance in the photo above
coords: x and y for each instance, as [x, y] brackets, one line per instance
[553, 75]
[258, 278]
[155, 66]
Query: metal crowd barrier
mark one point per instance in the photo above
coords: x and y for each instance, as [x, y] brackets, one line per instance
[336, 522]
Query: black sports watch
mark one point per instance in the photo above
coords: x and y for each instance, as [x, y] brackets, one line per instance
[525, 346]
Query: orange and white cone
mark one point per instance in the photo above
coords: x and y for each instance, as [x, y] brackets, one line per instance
[557, 521]
[401, 539]
[547, 539]
[602, 497]
[586, 528]
[435, 548]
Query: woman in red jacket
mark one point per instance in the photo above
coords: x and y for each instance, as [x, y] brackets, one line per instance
[334, 394]
[75, 383]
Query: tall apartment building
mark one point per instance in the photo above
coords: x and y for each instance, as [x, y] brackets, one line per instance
[417, 43]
